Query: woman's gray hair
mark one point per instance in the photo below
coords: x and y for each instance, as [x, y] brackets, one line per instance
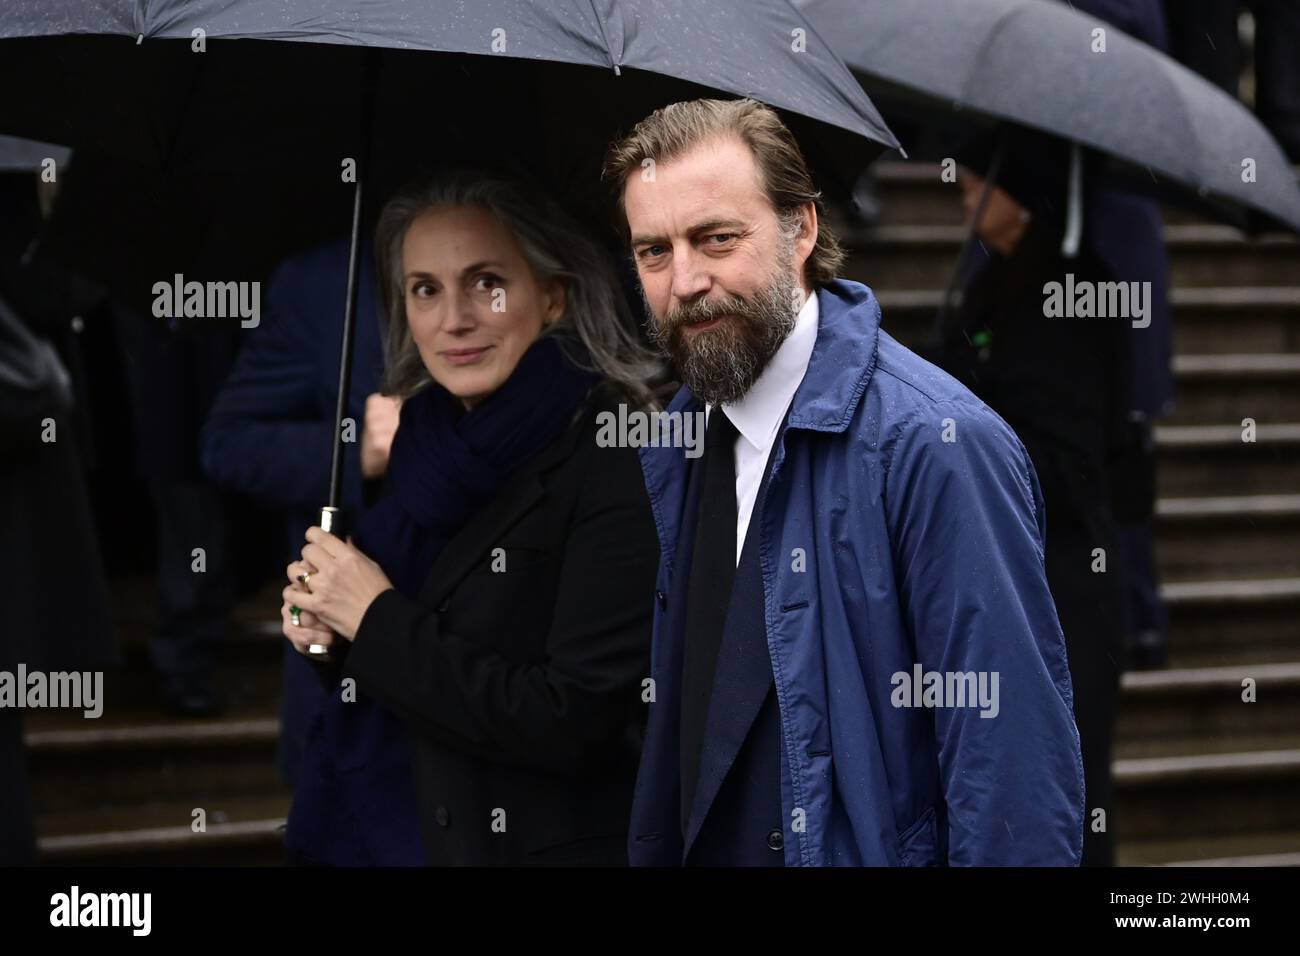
[595, 310]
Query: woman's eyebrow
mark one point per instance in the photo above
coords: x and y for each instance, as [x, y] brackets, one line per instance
[484, 264]
[472, 267]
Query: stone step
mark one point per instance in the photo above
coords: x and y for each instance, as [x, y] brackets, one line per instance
[1229, 622]
[1188, 711]
[137, 752]
[923, 256]
[1207, 795]
[1202, 460]
[170, 760]
[239, 831]
[1207, 320]
[1225, 388]
[1250, 849]
[1247, 536]
[914, 193]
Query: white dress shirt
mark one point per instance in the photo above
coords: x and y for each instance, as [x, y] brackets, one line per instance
[758, 415]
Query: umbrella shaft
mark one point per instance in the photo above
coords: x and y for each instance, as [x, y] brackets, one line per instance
[345, 352]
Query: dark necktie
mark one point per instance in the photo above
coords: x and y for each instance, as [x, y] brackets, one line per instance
[713, 568]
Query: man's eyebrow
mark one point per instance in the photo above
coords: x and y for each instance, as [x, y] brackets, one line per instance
[707, 226]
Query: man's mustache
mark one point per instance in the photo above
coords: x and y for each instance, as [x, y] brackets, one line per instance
[706, 309]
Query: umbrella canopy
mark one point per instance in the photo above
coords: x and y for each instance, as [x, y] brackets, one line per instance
[1045, 66]
[739, 47]
[249, 132]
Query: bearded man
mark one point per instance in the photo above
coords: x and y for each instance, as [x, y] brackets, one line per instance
[856, 659]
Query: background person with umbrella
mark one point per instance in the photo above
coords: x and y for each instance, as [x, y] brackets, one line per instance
[1062, 383]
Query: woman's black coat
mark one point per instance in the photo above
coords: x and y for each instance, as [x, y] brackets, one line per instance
[520, 666]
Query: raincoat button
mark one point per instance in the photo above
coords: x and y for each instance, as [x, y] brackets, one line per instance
[776, 840]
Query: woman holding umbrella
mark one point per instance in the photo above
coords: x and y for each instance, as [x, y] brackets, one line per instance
[498, 600]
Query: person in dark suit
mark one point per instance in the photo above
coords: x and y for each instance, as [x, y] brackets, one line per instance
[269, 432]
[1062, 382]
[492, 614]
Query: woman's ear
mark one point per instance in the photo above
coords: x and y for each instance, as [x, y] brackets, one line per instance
[556, 299]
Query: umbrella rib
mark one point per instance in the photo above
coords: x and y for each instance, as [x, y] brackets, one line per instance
[609, 50]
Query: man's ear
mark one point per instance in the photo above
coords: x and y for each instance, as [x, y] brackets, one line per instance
[806, 241]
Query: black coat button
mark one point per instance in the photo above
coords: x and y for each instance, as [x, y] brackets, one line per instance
[776, 840]
[441, 816]
[662, 599]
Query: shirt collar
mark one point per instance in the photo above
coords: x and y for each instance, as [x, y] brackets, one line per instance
[759, 412]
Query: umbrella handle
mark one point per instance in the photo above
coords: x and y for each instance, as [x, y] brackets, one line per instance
[333, 520]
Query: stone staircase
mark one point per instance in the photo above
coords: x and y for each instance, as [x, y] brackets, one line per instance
[124, 789]
[1201, 776]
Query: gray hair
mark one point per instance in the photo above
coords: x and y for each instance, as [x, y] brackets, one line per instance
[595, 312]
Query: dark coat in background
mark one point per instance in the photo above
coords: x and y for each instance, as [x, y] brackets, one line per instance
[1062, 384]
[56, 610]
[55, 598]
[523, 688]
[56, 607]
[269, 433]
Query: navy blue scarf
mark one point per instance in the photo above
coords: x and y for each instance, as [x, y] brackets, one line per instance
[356, 802]
[446, 463]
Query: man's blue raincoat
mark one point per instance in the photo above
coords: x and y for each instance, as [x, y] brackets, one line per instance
[902, 536]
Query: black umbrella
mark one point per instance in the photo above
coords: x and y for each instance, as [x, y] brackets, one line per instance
[232, 146]
[1049, 68]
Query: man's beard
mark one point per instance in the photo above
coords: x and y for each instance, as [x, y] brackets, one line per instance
[721, 364]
